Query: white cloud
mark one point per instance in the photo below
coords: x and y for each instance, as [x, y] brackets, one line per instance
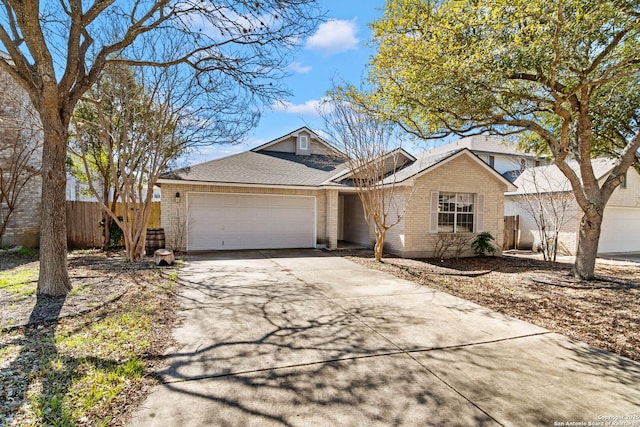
[298, 68]
[334, 36]
[309, 108]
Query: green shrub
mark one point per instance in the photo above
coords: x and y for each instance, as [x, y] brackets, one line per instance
[27, 252]
[482, 245]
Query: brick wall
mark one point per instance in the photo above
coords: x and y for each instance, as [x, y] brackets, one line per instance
[19, 124]
[459, 175]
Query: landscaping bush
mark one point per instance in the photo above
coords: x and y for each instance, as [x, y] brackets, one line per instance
[482, 245]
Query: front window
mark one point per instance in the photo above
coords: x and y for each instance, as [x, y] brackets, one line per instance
[455, 213]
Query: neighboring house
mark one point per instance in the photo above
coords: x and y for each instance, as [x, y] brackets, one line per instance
[80, 192]
[294, 192]
[18, 123]
[621, 223]
[501, 154]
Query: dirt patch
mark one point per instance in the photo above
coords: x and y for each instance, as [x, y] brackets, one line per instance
[97, 278]
[601, 312]
[94, 362]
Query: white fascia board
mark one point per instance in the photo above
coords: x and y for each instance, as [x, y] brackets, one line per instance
[246, 185]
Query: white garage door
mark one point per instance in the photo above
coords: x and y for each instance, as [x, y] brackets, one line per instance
[241, 221]
[620, 230]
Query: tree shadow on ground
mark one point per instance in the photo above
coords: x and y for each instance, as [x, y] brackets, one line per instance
[37, 354]
[9, 261]
[39, 377]
[277, 355]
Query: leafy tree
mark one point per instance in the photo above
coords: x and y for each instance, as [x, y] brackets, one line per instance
[57, 50]
[564, 72]
[130, 126]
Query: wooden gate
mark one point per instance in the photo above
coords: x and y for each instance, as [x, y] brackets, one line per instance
[511, 228]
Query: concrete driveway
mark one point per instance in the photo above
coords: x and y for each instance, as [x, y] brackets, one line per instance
[303, 338]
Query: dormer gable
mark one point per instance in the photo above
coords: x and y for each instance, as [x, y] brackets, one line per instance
[301, 142]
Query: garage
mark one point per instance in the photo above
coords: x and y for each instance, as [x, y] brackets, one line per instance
[218, 221]
[620, 230]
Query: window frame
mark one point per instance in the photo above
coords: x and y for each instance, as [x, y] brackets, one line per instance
[305, 139]
[458, 212]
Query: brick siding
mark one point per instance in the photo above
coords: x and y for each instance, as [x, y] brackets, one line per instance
[411, 238]
[23, 227]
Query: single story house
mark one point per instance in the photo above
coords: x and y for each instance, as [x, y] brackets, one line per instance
[546, 184]
[294, 192]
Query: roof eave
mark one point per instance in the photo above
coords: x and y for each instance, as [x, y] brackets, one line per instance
[321, 186]
[456, 154]
[295, 133]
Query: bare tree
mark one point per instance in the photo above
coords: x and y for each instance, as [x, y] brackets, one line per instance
[58, 50]
[547, 198]
[142, 119]
[373, 157]
[19, 149]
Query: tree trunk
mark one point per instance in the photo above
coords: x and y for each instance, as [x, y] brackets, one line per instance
[53, 277]
[379, 246]
[136, 251]
[106, 231]
[588, 245]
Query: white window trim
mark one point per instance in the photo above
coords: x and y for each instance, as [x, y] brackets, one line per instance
[303, 142]
[478, 213]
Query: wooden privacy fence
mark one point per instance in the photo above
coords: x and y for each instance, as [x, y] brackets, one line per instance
[83, 223]
[511, 228]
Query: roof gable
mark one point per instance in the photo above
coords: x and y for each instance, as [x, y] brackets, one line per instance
[287, 143]
[393, 160]
[429, 162]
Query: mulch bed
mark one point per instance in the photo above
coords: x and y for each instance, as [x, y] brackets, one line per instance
[601, 312]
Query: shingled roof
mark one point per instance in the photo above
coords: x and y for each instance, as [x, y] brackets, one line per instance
[429, 161]
[263, 167]
[274, 164]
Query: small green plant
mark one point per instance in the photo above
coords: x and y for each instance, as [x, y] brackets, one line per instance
[115, 234]
[27, 252]
[482, 245]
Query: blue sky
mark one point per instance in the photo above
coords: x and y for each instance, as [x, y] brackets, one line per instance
[337, 51]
